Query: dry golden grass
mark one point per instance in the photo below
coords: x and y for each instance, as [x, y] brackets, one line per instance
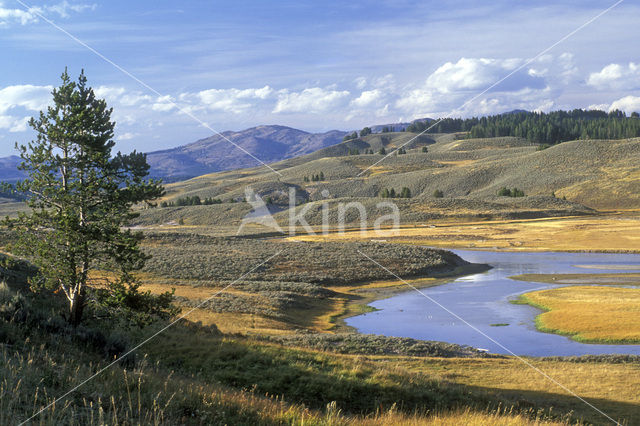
[612, 388]
[459, 163]
[589, 313]
[466, 417]
[611, 232]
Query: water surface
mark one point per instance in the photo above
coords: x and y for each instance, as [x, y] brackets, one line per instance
[483, 299]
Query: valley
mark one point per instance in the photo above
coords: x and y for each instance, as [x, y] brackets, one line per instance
[289, 327]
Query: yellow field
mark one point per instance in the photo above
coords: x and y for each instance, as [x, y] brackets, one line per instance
[589, 313]
[612, 388]
[610, 232]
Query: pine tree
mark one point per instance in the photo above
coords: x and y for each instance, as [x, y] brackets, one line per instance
[80, 198]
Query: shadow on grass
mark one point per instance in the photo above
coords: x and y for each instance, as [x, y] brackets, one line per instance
[357, 385]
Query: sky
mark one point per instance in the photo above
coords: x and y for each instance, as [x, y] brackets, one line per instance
[316, 66]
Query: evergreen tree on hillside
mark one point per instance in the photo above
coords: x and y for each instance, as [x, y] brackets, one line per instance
[81, 200]
[550, 128]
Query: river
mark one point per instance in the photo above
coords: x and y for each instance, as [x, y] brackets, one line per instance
[483, 299]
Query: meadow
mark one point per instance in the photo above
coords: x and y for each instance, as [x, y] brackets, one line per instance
[591, 314]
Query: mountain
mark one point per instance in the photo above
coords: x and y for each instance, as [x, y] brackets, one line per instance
[9, 169]
[212, 154]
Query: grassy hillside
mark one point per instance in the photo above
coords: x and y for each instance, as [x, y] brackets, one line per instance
[566, 179]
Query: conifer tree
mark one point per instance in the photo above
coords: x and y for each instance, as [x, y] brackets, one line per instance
[81, 198]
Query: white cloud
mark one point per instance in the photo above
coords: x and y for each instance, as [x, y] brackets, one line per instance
[121, 95]
[63, 8]
[470, 74]
[367, 98]
[126, 136]
[627, 104]
[28, 16]
[360, 82]
[616, 76]
[453, 84]
[13, 124]
[27, 96]
[231, 100]
[163, 104]
[15, 15]
[312, 100]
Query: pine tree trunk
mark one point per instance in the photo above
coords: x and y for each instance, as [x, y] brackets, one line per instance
[76, 307]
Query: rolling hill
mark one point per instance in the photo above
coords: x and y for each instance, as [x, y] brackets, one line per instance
[571, 178]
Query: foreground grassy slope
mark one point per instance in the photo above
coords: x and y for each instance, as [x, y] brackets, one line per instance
[254, 355]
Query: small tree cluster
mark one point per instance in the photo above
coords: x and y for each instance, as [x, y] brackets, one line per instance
[387, 129]
[191, 201]
[352, 136]
[382, 151]
[368, 151]
[366, 131]
[514, 192]
[425, 149]
[315, 178]
[391, 193]
[401, 151]
[354, 151]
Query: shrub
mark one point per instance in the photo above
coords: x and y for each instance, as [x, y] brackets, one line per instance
[506, 192]
[438, 194]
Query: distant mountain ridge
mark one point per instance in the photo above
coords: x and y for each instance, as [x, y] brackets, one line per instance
[269, 143]
[9, 169]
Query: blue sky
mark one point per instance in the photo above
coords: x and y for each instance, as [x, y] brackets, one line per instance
[313, 65]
